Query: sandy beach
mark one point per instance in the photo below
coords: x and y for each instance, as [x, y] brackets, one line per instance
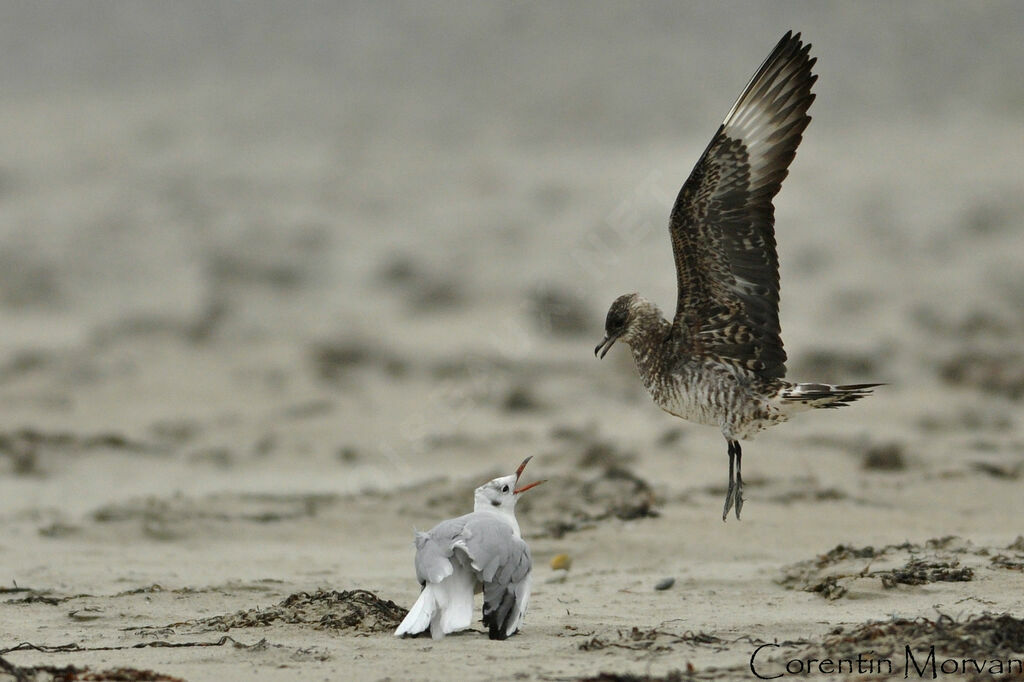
[280, 285]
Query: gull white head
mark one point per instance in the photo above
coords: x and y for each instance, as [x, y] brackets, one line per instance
[501, 494]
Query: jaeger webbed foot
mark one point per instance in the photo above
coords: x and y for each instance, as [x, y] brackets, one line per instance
[739, 476]
[730, 494]
[728, 500]
[738, 495]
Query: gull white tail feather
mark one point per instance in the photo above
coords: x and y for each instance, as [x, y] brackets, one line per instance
[457, 612]
[419, 616]
[444, 607]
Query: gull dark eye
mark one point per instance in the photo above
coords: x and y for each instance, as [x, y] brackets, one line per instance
[504, 489]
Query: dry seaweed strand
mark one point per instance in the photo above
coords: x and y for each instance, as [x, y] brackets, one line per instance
[648, 640]
[63, 648]
[359, 610]
[981, 636]
[657, 639]
[1003, 561]
[921, 572]
[72, 673]
[804, 575]
[671, 676]
[35, 596]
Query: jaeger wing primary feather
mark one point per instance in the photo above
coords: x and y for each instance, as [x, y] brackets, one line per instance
[723, 222]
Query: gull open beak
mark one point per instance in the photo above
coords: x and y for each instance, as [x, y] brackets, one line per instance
[519, 472]
[603, 347]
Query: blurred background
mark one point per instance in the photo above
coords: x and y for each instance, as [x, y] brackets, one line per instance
[280, 282]
[373, 236]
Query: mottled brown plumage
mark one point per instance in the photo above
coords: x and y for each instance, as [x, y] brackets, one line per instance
[721, 361]
[722, 224]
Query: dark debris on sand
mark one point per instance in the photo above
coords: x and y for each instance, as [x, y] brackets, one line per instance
[559, 312]
[520, 398]
[671, 676]
[804, 494]
[1014, 563]
[1003, 561]
[424, 290]
[922, 572]
[985, 644]
[1008, 472]
[50, 673]
[985, 636]
[614, 493]
[967, 419]
[24, 448]
[989, 373]
[334, 362]
[176, 517]
[884, 457]
[602, 453]
[652, 639]
[823, 362]
[359, 611]
[937, 560]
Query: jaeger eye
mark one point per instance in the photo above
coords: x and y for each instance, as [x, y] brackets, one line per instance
[504, 489]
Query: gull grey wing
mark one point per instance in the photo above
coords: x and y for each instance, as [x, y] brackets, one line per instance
[723, 222]
[434, 550]
[503, 564]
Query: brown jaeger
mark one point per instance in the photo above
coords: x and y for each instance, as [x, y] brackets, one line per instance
[720, 361]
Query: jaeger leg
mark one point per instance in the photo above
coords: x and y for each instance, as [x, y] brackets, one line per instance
[729, 494]
[739, 477]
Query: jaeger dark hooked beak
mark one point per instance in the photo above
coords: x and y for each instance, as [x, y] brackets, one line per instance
[603, 347]
[519, 472]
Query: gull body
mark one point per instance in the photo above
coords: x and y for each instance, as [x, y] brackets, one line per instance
[481, 551]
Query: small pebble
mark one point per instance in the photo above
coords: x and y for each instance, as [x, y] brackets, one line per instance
[665, 583]
[561, 561]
